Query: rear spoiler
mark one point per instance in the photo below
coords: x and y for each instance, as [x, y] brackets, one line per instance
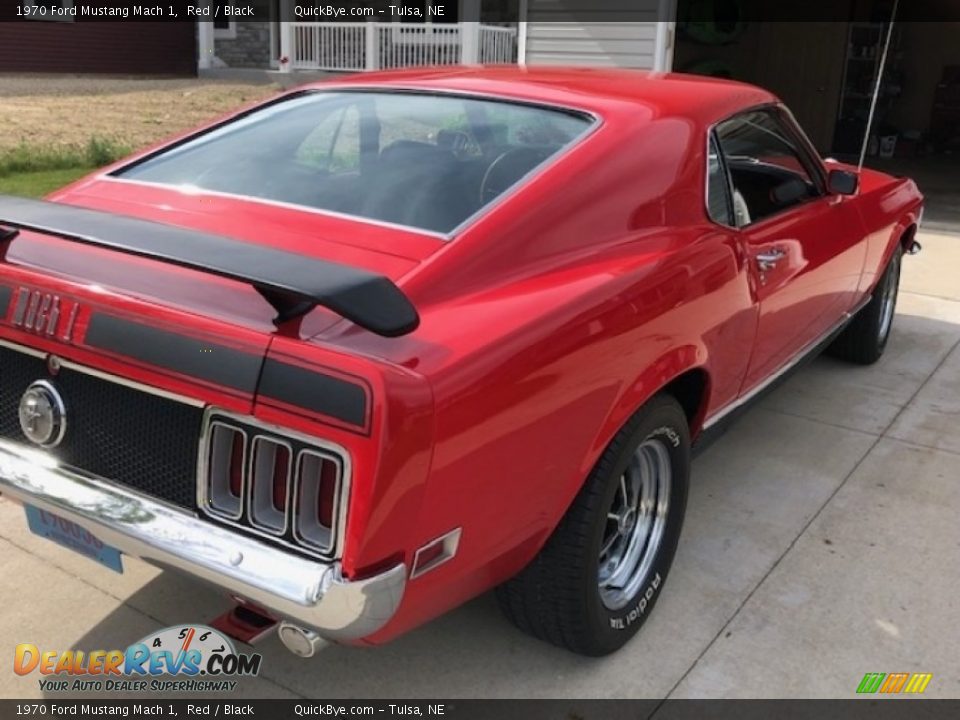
[292, 284]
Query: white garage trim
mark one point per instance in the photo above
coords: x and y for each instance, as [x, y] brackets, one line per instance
[666, 34]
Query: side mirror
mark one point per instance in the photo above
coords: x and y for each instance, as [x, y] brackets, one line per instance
[843, 182]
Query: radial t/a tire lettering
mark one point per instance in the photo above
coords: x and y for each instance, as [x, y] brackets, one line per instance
[600, 573]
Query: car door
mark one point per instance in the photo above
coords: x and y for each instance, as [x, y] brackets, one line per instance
[805, 246]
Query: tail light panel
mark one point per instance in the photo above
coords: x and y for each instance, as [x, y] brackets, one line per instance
[274, 483]
[269, 484]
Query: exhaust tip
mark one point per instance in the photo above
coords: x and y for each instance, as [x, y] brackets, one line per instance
[300, 641]
[245, 622]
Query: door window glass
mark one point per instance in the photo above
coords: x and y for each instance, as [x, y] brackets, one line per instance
[769, 173]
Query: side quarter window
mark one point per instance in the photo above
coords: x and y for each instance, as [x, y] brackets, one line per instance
[769, 172]
[719, 202]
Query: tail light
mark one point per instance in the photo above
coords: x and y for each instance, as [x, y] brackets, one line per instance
[284, 486]
[225, 470]
[316, 498]
[269, 484]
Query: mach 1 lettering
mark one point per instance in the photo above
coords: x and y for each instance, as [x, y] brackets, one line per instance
[45, 314]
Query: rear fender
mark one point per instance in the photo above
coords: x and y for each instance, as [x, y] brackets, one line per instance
[651, 381]
[381, 415]
[888, 212]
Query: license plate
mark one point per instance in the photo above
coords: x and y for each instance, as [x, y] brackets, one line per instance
[70, 535]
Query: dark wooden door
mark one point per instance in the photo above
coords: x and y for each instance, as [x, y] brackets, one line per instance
[802, 62]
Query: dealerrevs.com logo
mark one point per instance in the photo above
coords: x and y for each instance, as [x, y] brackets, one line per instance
[192, 658]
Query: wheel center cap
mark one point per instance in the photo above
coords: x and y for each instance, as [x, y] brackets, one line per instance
[627, 521]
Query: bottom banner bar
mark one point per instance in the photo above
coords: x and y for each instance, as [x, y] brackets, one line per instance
[862, 709]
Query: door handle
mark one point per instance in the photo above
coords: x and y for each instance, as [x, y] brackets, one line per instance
[767, 261]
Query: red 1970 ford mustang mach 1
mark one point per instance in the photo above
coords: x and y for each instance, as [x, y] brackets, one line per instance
[362, 352]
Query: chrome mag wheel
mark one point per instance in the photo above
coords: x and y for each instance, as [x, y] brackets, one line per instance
[597, 578]
[888, 298]
[635, 526]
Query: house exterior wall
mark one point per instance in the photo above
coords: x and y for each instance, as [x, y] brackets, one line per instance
[147, 48]
[622, 34]
[249, 49]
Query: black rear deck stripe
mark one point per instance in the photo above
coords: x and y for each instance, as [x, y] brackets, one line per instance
[320, 393]
[228, 367]
[5, 294]
[212, 362]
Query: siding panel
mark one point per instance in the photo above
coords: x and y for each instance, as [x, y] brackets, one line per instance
[624, 37]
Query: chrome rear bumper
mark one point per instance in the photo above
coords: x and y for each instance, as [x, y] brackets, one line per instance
[307, 592]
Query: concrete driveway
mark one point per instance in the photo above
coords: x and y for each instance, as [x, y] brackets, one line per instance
[822, 542]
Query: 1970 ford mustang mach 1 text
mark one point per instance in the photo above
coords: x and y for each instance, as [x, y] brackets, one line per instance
[374, 347]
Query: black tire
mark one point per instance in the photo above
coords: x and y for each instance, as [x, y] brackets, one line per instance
[557, 598]
[865, 338]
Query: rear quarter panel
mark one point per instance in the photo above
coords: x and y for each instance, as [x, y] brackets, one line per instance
[546, 326]
[888, 208]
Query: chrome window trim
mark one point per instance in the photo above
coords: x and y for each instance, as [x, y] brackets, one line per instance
[773, 108]
[783, 369]
[336, 530]
[250, 500]
[204, 499]
[712, 139]
[336, 452]
[109, 377]
[595, 123]
[806, 147]
[190, 191]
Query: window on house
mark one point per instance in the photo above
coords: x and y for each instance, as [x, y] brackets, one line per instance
[57, 10]
[223, 27]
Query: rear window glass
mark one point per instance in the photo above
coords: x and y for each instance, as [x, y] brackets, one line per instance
[423, 161]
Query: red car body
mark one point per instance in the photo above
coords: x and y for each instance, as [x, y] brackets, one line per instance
[544, 323]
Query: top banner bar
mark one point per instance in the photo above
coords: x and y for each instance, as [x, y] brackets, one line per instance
[488, 11]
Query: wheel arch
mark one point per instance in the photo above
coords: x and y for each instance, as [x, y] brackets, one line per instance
[905, 231]
[681, 373]
[901, 239]
[691, 389]
[908, 235]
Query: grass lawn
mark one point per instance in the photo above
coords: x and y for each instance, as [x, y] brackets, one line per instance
[63, 112]
[59, 128]
[38, 184]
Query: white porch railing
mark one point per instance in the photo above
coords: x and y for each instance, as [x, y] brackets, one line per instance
[376, 45]
[497, 44]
